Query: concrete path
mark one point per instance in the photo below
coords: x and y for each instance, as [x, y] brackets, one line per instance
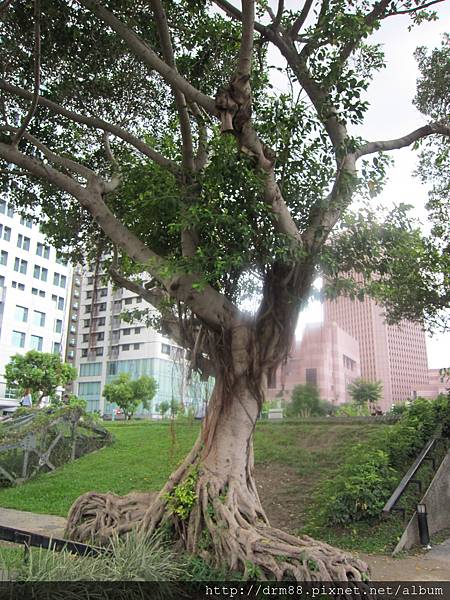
[44, 524]
[431, 565]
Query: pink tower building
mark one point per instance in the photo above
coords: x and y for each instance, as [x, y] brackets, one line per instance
[396, 355]
[326, 357]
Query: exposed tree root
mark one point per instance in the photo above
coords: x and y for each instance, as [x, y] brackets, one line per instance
[224, 525]
[95, 516]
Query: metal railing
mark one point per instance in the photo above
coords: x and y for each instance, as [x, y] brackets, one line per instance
[424, 455]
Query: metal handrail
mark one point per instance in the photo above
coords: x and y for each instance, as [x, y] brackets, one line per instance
[32, 538]
[408, 478]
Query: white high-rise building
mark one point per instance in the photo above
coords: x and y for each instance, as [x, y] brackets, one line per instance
[108, 345]
[35, 285]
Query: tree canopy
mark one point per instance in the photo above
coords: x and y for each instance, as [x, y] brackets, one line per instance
[365, 392]
[152, 140]
[129, 393]
[40, 372]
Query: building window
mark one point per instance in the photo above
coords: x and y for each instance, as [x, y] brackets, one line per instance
[90, 280]
[20, 265]
[56, 347]
[5, 233]
[128, 300]
[99, 351]
[58, 325]
[40, 273]
[59, 280]
[103, 292]
[18, 339]
[27, 222]
[73, 329]
[87, 308]
[137, 330]
[6, 208]
[71, 354]
[21, 314]
[39, 318]
[136, 346]
[138, 300]
[3, 257]
[43, 250]
[2, 281]
[112, 368]
[101, 321]
[84, 352]
[72, 341]
[165, 349]
[19, 286]
[42, 293]
[91, 369]
[58, 301]
[36, 342]
[87, 322]
[126, 331]
[102, 306]
[311, 376]
[89, 294]
[100, 336]
[125, 347]
[23, 242]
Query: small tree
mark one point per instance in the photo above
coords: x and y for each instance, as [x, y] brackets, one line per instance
[128, 394]
[306, 402]
[39, 372]
[365, 392]
[163, 408]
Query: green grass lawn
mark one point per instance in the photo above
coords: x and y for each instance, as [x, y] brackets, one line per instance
[292, 458]
[144, 454]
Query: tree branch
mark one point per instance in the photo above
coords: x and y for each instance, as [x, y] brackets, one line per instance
[96, 123]
[300, 21]
[37, 73]
[149, 57]
[402, 142]
[180, 100]
[236, 14]
[208, 304]
[244, 66]
[62, 161]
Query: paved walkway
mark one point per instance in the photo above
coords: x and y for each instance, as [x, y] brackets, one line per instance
[433, 565]
[44, 524]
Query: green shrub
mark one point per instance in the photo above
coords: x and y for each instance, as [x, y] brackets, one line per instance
[360, 489]
[367, 478]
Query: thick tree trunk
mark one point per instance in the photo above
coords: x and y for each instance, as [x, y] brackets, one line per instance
[211, 504]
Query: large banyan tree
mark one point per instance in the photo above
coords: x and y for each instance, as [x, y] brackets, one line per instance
[151, 134]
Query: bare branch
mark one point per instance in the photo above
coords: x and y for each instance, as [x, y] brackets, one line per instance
[62, 161]
[402, 142]
[166, 45]
[236, 14]
[96, 123]
[409, 11]
[300, 21]
[37, 73]
[149, 57]
[244, 66]
[279, 15]
[202, 145]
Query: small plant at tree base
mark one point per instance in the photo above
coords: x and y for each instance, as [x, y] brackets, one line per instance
[183, 497]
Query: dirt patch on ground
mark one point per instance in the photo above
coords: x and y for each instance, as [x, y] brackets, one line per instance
[284, 496]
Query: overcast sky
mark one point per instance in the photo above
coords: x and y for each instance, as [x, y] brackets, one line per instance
[392, 115]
